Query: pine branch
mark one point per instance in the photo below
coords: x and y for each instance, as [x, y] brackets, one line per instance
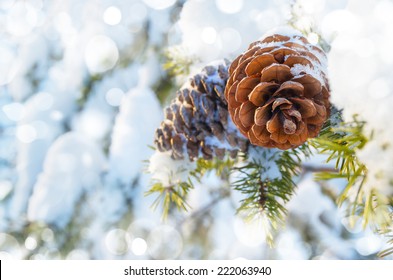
[178, 61]
[341, 142]
[264, 176]
[175, 194]
[266, 193]
[169, 196]
[222, 168]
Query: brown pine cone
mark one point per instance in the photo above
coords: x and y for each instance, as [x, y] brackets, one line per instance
[277, 92]
[197, 122]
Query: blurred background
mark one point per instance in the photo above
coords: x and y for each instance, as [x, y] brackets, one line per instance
[82, 87]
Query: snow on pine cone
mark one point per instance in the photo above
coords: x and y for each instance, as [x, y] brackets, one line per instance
[197, 122]
[277, 92]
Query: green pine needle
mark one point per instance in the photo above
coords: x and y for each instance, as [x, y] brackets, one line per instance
[266, 197]
[341, 142]
[178, 61]
[175, 195]
[170, 196]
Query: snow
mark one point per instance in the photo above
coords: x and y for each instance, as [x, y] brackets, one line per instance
[298, 69]
[72, 170]
[140, 114]
[36, 130]
[101, 54]
[282, 30]
[322, 218]
[267, 158]
[319, 66]
[167, 170]
[208, 34]
[320, 15]
[72, 167]
[360, 68]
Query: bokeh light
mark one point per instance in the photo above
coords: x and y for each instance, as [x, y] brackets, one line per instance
[229, 6]
[231, 40]
[312, 6]
[267, 19]
[70, 68]
[137, 14]
[31, 243]
[101, 54]
[159, 4]
[52, 254]
[9, 247]
[112, 15]
[164, 242]
[368, 245]
[42, 129]
[6, 4]
[43, 101]
[37, 257]
[117, 241]
[47, 235]
[141, 228]
[26, 133]
[114, 96]
[338, 20]
[14, 111]
[249, 233]
[78, 254]
[138, 246]
[21, 19]
[93, 123]
[313, 38]
[209, 35]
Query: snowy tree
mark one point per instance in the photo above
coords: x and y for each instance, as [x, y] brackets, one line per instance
[83, 90]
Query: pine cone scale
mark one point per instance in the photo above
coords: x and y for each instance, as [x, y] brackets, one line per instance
[262, 115]
[295, 88]
[244, 87]
[295, 59]
[278, 73]
[260, 62]
[246, 115]
[262, 93]
[311, 85]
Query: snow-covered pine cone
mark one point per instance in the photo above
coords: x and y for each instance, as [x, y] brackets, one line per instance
[277, 92]
[197, 122]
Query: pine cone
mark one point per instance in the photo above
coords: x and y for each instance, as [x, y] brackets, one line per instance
[277, 93]
[197, 121]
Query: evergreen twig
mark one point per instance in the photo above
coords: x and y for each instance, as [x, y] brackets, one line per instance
[266, 193]
[341, 142]
[175, 195]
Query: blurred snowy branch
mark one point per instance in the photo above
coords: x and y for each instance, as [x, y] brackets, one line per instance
[81, 83]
